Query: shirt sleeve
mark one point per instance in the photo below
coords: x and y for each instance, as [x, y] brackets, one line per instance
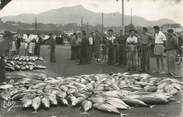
[163, 37]
[127, 40]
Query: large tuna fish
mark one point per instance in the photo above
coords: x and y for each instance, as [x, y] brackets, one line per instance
[118, 103]
[134, 102]
[97, 99]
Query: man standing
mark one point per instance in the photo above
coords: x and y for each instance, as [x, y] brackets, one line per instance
[73, 46]
[132, 53]
[122, 49]
[84, 58]
[110, 40]
[91, 44]
[145, 45]
[5, 44]
[18, 42]
[116, 50]
[171, 52]
[52, 44]
[37, 45]
[78, 47]
[160, 39]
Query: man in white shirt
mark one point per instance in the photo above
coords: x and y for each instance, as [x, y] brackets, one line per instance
[91, 44]
[160, 39]
[26, 38]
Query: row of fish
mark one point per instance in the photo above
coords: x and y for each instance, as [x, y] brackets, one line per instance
[26, 58]
[20, 64]
[105, 92]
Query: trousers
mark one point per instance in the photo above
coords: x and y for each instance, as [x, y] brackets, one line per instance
[171, 60]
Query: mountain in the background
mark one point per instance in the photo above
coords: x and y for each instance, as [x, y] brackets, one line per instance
[73, 15]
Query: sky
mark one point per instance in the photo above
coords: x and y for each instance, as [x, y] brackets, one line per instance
[149, 9]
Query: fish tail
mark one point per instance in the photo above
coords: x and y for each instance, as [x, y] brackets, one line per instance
[84, 113]
[122, 115]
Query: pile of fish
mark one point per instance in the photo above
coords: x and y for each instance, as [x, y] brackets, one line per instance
[106, 92]
[23, 63]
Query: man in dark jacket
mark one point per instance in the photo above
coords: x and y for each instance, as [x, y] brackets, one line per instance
[37, 45]
[5, 44]
[145, 47]
[171, 51]
[122, 48]
[52, 43]
[73, 46]
[110, 42]
[84, 58]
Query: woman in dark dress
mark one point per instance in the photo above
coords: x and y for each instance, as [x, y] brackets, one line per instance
[84, 58]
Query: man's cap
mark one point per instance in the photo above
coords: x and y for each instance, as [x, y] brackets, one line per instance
[170, 30]
[50, 34]
[110, 30]
[156, 27]
[131, 30]
[145, 29]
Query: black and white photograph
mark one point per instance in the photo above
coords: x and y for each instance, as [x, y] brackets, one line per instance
[91, 58]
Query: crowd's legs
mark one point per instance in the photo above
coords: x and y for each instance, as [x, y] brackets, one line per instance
[145, 58]
[132, 58]
[116, 55]
[52, 55]
[171, 61]
[110, 55]
[37, 50]
[122, 55]
[78, 51]
[158, 51]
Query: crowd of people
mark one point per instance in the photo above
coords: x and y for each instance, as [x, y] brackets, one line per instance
[133, 50]
[32, 44]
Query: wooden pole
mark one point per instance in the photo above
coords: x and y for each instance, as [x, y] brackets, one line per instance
[87, 28]
[35, 25]
[131, 17]
[102, 23]
[122, 19]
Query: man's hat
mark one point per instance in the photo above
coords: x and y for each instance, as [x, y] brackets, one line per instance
[156, 27]
[145, 29]
[131, 30]
[110, 30]
[170, 30]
